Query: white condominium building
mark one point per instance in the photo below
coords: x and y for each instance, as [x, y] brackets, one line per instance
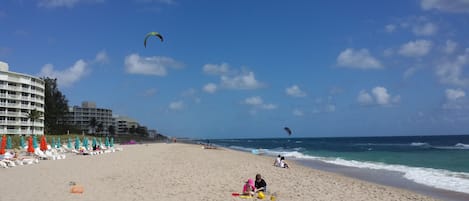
[19, 94]
[82, 117]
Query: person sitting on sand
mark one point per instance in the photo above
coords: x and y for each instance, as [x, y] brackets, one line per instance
[249, 188]
[260, 183]
[283, 164]
[277, 161]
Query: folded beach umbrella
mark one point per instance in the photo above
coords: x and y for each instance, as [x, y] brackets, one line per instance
[3, 144]
[9, 145]
[69, 143]
[77, 143]
[35, 141]
[58, 143]
[100, 142]
[53, 143]
[93, 143]
[106, 142]
[22, 142]
[30, 145]
[43, 143]
[85, 143]
[111, 144]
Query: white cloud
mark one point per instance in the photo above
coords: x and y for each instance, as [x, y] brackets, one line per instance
[176, 105]
[64, 3]
[257, 102]
[379, 95]
[388, 52]
[360, 59]
[242, 81]
[426, 29]
[454, 94]
[102, 57]
[156, 65]
[455, 6]
[210, 88]
[269, 106]
[330, 108]
[68, 76]
[298, 112]
[364, 98]
[295, 91]
[451, 71]
[150, 92]
[390, 28]
[216, 69]
[450, 46]
[410, 71]
[416, 48]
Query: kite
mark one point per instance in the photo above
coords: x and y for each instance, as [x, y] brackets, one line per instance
[152, 34]
[288, 130]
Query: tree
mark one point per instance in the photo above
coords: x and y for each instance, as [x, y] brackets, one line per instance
[33, 115]
[132, 130]
[93, 124]
[55, 107]
[100, 127]
[142, 131]
[112, 130]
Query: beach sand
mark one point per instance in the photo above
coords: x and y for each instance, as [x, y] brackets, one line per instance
[181, 172]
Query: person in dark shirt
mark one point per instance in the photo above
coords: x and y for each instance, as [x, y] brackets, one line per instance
[260, 183]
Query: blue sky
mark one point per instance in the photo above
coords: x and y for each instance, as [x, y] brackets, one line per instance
[248, 68]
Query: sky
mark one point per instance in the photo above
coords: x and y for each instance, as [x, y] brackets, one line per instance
[247, 69]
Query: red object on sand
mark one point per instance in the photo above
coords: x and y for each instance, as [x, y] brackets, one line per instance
[235, 194]
[3, 145]
[43, 146]
[30, 145]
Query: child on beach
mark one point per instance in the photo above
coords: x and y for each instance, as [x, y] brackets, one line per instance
[260, 183]
[249, 188]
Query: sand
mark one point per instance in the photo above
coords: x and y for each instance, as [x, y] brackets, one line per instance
[181, 172]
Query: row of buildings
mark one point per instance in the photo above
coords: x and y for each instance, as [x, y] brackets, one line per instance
[21, 93]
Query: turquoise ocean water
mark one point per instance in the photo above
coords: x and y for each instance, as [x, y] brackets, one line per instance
[437, 161]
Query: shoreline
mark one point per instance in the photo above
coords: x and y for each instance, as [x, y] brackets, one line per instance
[385, 177]
[183, 172]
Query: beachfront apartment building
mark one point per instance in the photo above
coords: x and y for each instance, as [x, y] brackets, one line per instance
[19, 95]
[81, 116]
[124, 124]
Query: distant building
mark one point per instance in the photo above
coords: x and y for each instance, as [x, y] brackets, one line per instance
[19, 94]
[82, 116]
[124, 124]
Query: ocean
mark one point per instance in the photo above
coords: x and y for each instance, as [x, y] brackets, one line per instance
[441, 162]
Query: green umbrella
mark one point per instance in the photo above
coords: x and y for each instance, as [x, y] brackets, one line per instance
[99, 142]
[53, 143]
[111, 144]
[85, 143]
[9, 145]
[77, 143]
[58, 143]
[69, 143]
[106, 142]
[22, 142]
[35, 142]
[93, 143]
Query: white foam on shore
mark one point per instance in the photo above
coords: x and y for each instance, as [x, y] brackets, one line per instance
[438, 178]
